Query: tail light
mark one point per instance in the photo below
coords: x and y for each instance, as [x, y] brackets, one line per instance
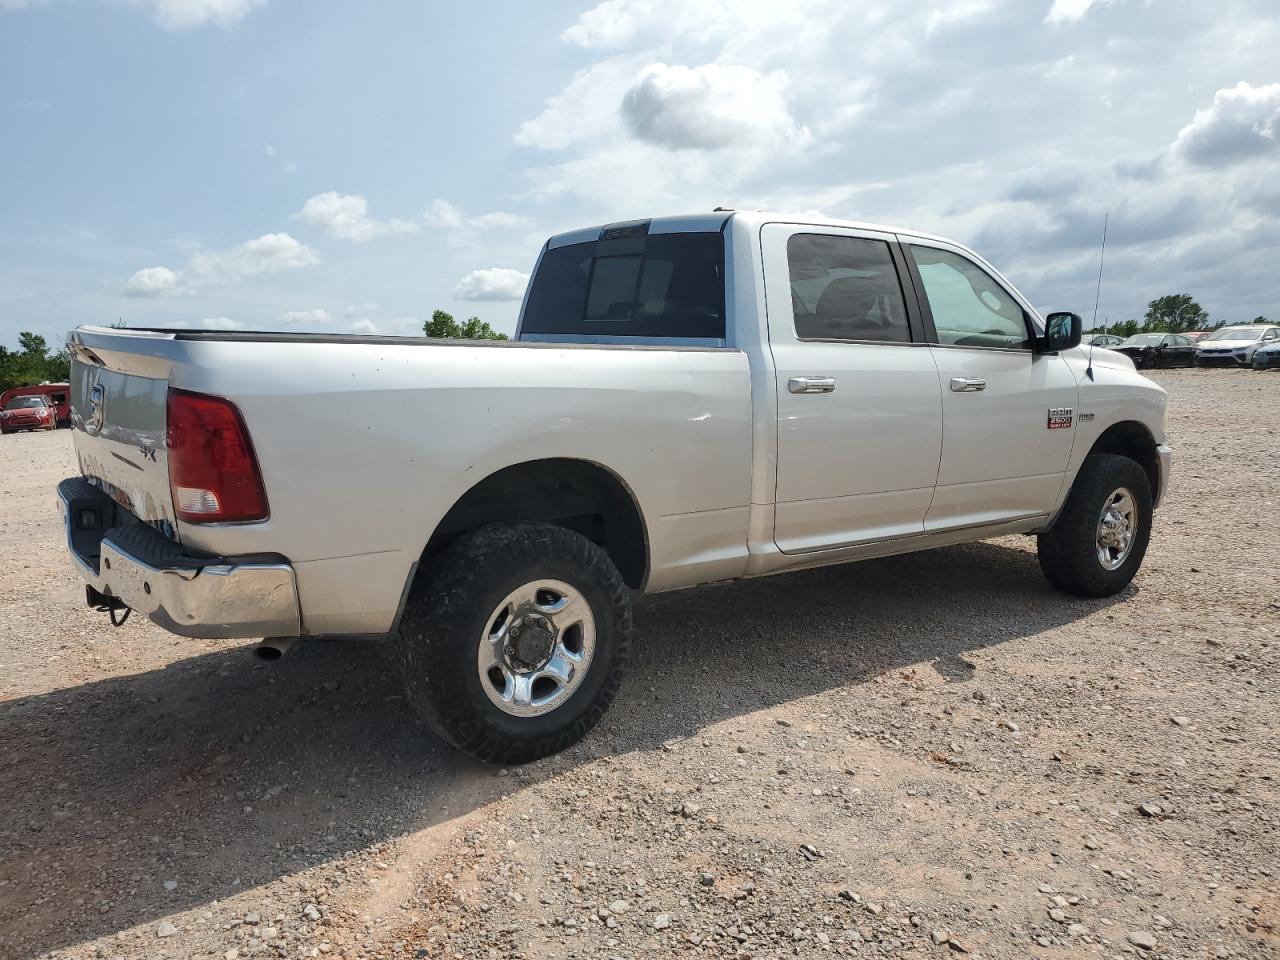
[212, 470]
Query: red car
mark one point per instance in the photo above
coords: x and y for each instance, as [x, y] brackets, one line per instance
[57, 394]
[28, 413]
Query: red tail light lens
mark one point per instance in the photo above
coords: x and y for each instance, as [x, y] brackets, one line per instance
[212, 470]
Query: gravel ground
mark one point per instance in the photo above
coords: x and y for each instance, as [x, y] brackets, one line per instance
[928, 755]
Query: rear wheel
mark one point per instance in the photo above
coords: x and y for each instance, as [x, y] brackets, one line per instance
[513, 644]
[1097, 544]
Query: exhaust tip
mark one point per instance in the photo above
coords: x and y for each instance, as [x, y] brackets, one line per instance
[273, 648]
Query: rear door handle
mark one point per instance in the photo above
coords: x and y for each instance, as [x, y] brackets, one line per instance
[811, 384]
[967, 384]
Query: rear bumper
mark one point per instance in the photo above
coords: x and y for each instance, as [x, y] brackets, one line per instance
[1166, 465]
[188, 593]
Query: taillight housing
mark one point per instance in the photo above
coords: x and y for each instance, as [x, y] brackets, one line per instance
[213, 472]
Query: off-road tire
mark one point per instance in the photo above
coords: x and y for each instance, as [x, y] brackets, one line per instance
[445, 618]
[1068, 551]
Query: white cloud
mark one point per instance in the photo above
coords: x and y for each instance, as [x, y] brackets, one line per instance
[307, 316]
[221, 323]
[387, 326]
[269, 253]
[185, 14]
[153, 282]
[958, 11]
[609, 24]
[493, 283]
[584, 110]
[347, 216]
[501, 220]
[444, 215]
[711, 107]
[1243, 123]
[1069, 11]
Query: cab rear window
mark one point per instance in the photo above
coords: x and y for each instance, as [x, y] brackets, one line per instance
[668, 285]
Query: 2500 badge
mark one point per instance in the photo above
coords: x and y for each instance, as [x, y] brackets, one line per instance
[1059, 418]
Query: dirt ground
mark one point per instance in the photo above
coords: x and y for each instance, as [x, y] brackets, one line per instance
[924, 756]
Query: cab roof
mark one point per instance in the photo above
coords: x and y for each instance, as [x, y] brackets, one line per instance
[709, 222]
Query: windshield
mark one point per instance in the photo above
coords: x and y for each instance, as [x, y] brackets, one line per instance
[1144, 340]
[1236, 333]
[25, 403]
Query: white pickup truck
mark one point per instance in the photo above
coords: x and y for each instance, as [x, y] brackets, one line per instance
[687, 400]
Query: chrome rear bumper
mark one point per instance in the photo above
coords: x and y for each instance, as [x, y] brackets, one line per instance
[188, 593]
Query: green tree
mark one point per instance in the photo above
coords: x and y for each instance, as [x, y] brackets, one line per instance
[1175, 313]
[443, 325]
[31, 363]
[1260, 319]
[473, 328]
[32, 344]
[1125, 328]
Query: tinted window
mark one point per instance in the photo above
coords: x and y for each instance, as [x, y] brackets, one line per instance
[845, 288]
[666, 285]
[969, 308]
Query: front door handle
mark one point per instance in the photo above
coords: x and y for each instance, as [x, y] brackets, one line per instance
[811, 384]
[967, 384]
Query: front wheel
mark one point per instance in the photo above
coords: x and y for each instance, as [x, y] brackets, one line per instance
[512, 645]
[1098, 542]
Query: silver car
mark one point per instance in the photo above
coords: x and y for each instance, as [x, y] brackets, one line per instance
[1267, 356]
[1102, 340]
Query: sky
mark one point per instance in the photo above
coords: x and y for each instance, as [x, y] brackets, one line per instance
[331, 166]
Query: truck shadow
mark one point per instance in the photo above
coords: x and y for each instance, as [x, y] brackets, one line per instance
[223, 774]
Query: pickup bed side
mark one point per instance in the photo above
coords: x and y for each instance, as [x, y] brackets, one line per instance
[366, 445]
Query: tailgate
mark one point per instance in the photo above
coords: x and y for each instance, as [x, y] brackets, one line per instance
[119, 422]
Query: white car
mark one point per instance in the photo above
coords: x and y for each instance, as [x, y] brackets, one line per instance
[1102, 340]
[687, 399]
[1234, 346]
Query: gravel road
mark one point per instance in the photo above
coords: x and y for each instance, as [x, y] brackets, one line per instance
[925, 756]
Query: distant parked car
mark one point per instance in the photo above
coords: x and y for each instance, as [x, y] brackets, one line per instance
[58, 395]
[1196, 335]
[1102, 340]
[1267, 356]
[28, 413]
[1234, 346]
[1148, 350]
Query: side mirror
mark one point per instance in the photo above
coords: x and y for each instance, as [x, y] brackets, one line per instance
[1062, 331]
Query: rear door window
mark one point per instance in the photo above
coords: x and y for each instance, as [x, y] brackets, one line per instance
[845, 288]
[668, 285]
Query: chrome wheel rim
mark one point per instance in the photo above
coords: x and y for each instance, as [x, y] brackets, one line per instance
[1117, 528]
[536, 648]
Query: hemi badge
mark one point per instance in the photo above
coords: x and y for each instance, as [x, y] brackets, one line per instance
[1059, 418]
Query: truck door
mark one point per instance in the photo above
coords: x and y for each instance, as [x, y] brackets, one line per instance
[1008, 412]
[859, 401]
